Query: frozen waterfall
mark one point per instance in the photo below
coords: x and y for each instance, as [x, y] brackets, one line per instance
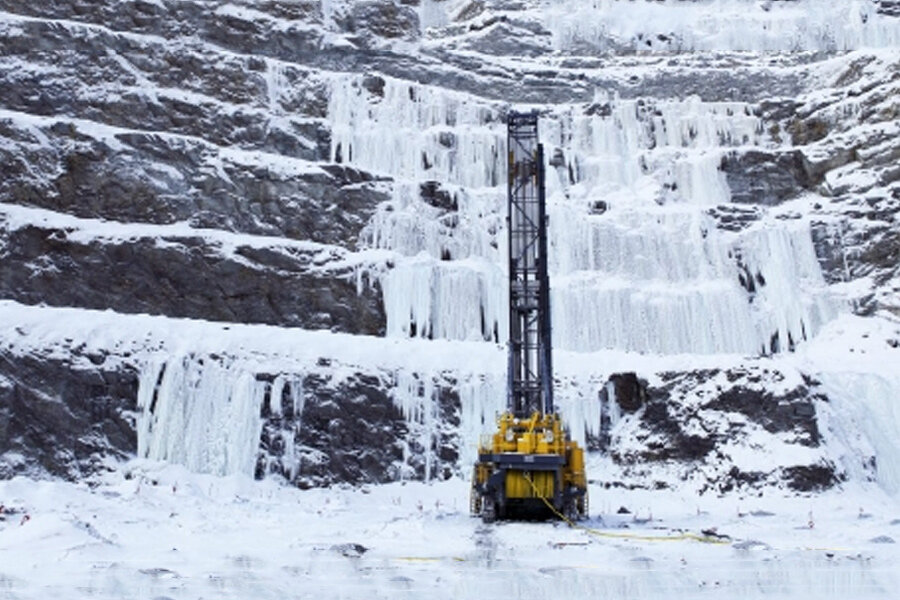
[208, 413]
[201, 414]
[416, 132]
[637, 262]
[481, 398]
[670, 282]
[867, 407]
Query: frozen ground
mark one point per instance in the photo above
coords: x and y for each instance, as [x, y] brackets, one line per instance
[158, 531]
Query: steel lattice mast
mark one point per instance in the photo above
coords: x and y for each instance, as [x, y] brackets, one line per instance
[530, 367]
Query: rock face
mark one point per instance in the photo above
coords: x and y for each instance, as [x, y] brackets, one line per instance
[691, 428]
[63, 420]
[690, 422]
[354, 432]
[187, 277]
[765, 178]
[721, 183]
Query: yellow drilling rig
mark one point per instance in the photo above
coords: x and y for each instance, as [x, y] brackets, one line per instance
[529, 468]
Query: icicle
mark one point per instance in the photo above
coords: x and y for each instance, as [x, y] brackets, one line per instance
[417, 400]
[410, 226]
[481, 399]
[431, 299]
[275, 395]
[148, 388]
[206, 415]
[298, 400]
[701, 181]
[791, 299]
[576, 400]
[417, 132]
[274, 84]
[290, 459]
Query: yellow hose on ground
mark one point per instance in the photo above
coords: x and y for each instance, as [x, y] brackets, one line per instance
[706, 539]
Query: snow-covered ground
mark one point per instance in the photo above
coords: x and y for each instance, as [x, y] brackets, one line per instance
[155, 530]
[158, 531]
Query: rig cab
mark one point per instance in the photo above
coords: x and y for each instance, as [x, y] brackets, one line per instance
[529, 468]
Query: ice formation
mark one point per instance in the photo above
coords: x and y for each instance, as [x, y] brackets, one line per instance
[285, 397]
[636, 263]
[201, 414]
[417, 132]
[868, 417]
[481, 399]
[433, 299]
[579, 401]
[205, 414]
[623, 147]
[417, 399]
[732, 25]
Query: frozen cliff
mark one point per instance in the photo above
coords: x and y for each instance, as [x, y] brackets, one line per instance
[269, 237]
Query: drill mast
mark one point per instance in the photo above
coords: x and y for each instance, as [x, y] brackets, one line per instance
[530, 364]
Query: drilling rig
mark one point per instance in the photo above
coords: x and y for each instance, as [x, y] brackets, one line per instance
[529, 468]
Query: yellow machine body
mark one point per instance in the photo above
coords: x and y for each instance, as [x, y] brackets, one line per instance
[541, 470]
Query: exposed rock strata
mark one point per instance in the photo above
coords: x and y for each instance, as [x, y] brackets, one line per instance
[216, 115]
[63, 419]
[186, 277]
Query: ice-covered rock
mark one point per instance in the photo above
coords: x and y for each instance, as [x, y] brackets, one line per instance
[722, 189]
